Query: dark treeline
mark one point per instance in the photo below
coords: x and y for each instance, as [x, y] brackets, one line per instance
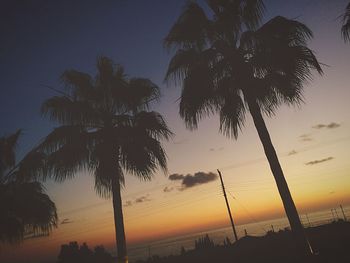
[73, 253]
[330, 245]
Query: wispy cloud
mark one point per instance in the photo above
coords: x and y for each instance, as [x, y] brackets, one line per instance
[128, 203]
[66, 221]
[190, 180]
[305, 137]
[320, 161]
[142, 199]
[137, 200]
[292, 152]
[181, 141]
[216, 149]
[332, 125]
[168, 189]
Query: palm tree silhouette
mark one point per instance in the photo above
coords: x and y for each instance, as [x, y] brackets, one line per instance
[25, 208]
[345, 30]
[229, 65]
[107, 130]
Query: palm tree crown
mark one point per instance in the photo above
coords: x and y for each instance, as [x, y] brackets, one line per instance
[25, 208]
[97, 113]
[105, 128]
[221, 66]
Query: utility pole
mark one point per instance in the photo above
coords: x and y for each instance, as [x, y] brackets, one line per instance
[228, 207]
[333, 215]
[336, 214]
[308, 219]
[342, 210]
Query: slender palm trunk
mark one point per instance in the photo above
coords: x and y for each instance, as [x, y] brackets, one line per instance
[119, 221]
[288, 203]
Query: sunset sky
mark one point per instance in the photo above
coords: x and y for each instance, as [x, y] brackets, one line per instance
[40, 39]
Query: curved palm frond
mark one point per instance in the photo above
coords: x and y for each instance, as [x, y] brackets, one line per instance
[23, 204]
[67, 149]
[195, 69]
[231, 17]
[282, 62]
[345, 30]
[153, 123]
[142, 155]
[190, 30]
[31, 167]
[141, 92]
[231, 107]
[66, 111]
[25, 209]
[7, 152]
[78, 84]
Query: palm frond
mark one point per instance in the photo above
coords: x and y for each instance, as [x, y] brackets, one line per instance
[285, 31]
[231, 107]
[142, 156]
[105, 175]
[105, 69]
[153, 123]
[198, 95]
[141, 92]
[31, 167]
[252, 13]
[79, 84]
[345, 30]
[66, 111]
[25, 208]
[180, 64]
[7, 151]
[190, 29]
[67, 149]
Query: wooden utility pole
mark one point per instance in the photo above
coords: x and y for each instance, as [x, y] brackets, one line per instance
[342, 210]
[308, 219]
[333, 215]
[228, 207]
[336, 213]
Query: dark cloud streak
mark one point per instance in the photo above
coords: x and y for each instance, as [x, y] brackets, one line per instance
[319, 161]
[332, 125]
[66, 221]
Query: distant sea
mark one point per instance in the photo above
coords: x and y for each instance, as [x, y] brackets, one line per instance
[172, 246]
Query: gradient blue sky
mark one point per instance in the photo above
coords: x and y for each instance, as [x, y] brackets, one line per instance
[40, 39]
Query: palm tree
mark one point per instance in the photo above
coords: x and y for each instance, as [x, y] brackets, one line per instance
[345, 30]
[105, 128]
[25, 208]
[229, 65]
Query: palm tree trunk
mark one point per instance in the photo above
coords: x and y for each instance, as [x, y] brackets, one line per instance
[288, 203]
[119, 221]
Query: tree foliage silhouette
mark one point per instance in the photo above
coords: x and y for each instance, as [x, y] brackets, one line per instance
[228, 63]
[107, 130]
[345, 30]
[73, 253]
[25, 208]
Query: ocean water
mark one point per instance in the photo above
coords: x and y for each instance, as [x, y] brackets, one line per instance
[172, 246]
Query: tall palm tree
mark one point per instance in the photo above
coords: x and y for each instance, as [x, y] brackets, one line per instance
[229, 65]
[345, 30]
[25, 208]
[105, 128]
